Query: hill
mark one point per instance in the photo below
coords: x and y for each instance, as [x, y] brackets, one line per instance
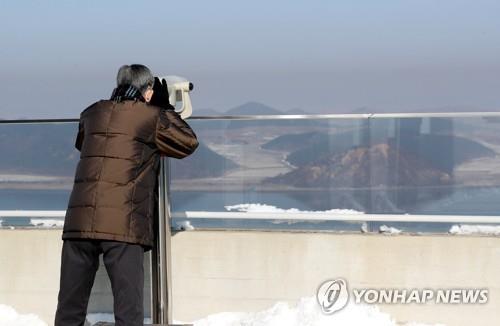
[48, 149]
[365, 167]
[256, 108]
[443, 151]
[253, 108]
[212, 164]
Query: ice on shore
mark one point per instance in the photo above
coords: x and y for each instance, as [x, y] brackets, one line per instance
[10, 317]
[475, 229]
[264, 208]
[257, 207]
[46, 223]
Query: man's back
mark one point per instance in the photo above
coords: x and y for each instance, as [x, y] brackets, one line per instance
[114, 191]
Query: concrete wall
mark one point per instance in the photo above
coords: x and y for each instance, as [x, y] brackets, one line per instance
[216, 271]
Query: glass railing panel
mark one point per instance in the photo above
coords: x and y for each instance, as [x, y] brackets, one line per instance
[377, 165]
[37, 168]
[247, 165]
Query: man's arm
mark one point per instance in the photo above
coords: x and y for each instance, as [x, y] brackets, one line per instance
[79, 136]
[174, 137]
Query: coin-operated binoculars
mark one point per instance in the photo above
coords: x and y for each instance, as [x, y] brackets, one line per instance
[178, 89]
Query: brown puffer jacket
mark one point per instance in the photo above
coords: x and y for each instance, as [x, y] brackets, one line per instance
[115, 192]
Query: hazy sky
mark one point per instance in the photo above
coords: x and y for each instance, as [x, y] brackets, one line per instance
[57, 57]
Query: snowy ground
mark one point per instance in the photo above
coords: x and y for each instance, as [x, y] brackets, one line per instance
[10, 317]
[305, 313]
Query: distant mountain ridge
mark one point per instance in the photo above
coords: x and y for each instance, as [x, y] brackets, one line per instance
[48, 149]
[248, 108]
[253, 108]
[256, 108]
[203, 112]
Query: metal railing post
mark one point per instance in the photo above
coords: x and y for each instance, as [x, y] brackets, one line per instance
[160, 258]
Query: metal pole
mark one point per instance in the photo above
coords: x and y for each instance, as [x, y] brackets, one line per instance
[160, 257]
[168, 245]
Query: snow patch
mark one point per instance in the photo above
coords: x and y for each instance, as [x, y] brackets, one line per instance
[475, 229]
[46, 223]
[388, 230]
[306, 312]
[183, 226]
[257, 207]
[10, 317]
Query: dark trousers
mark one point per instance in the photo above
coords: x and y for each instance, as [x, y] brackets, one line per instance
[79, 264]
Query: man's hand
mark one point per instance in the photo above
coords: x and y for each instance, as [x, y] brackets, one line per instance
[160, 94]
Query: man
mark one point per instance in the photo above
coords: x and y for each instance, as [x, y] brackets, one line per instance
[112, 206]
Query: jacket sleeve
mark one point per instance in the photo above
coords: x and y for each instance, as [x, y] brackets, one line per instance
[174, 137]
[79, 136]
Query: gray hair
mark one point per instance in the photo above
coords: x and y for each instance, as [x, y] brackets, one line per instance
[136, 75]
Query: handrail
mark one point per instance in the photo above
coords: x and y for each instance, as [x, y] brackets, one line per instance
[327, 216]
[296, 116]
[303, 216]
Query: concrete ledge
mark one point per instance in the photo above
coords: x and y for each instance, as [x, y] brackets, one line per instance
[215, 271]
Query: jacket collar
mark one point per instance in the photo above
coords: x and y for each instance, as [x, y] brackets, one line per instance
[126, 92]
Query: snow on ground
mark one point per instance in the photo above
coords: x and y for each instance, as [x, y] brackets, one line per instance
[46, 223]
[388, 229]
[306, 312]
[257, 207]
[10, 317]
[475, 229]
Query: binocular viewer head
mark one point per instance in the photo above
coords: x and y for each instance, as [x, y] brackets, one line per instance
[178, 90]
